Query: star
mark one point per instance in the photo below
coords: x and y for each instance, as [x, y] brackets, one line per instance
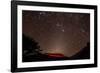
[63, 30]
[42, 13]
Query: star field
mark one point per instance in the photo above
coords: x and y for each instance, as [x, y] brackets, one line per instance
[58, 32]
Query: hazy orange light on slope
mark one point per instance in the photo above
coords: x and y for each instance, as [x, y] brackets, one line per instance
[56, 55]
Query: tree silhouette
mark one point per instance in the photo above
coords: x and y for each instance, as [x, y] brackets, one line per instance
[30, 46]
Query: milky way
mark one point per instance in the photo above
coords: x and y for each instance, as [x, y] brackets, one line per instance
[58, 32]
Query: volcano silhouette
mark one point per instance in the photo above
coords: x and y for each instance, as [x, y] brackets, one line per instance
[83, 54]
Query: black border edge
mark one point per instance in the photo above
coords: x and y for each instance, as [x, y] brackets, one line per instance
[95, 36]
[55, 68]
[64, 5]
[14, 35]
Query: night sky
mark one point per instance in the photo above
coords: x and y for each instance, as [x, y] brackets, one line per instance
[58, 32]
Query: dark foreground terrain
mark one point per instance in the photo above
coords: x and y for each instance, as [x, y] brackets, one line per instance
[32, 52]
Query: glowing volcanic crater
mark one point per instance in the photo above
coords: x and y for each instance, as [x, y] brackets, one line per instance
[56, 53]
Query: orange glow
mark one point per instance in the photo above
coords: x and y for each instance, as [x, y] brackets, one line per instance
[57, 55]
